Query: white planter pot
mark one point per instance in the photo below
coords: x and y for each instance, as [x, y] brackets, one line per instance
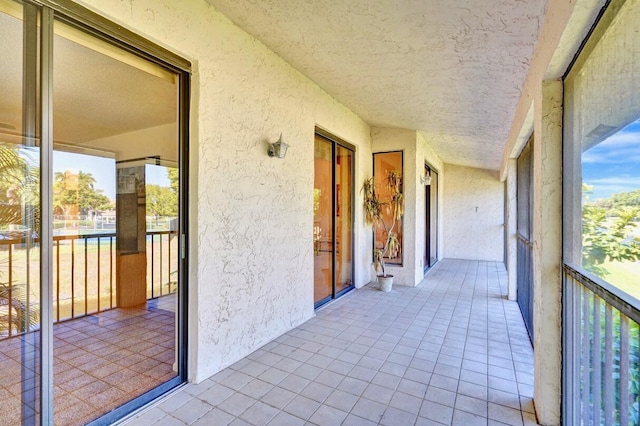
[385, 283]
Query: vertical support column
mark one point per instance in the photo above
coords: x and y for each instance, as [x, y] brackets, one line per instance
[131, 233]
[547, 252]
[46, 219]
[512, 228]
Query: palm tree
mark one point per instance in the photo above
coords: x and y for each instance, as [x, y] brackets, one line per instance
[77, 190]
[19, 205]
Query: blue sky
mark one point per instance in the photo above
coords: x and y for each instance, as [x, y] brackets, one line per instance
[613, 165]
[103, 170]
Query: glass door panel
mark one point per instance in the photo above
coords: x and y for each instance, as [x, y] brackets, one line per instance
[433, 218]
[115, 200]
[383, 163]
[333, 219]
[344, 218]
[323, 219]
[19, 217]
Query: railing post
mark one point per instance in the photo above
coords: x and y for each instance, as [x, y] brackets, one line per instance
[111, 253]
[73, 268]
[153, 271]
[98, 283]
[161, 258]
[10, 289]
[624, 370]
[57, 300]
[86, 277]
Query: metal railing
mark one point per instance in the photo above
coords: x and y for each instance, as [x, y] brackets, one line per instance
[84, 276]
[524, 249]
[602, 352]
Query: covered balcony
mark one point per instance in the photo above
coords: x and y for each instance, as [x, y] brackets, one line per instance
[453, 350]
[511, 129]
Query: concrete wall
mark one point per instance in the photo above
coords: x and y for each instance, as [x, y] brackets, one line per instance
[473, 214]
[251, 276]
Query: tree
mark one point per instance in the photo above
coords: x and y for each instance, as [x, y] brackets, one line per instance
[19, 189]
[91, 198]
[174, 179]
[161, 201]
[602, 242]
[78, 190]
[19, 205]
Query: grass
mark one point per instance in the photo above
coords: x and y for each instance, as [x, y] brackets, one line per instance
[625, 276]
[84, 279]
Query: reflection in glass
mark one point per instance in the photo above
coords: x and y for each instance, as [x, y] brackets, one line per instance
[115, 226]
[344, 217]
[333, 219]
[383, 163]
[19, 220]
[323, 219]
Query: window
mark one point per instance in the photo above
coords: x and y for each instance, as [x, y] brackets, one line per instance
[602, 156]
[601, 229]
[91, 280]
[383, 163]
[332, 218]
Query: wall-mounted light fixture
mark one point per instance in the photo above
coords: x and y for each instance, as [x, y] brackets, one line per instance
[426, 179]
[278, 149]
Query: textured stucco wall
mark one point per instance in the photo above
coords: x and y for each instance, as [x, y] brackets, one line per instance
[251, 258]
[546, 230]
[473, 214]
[402, 140]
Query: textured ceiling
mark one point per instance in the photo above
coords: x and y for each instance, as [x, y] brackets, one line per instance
[450, 69]
[95, 95]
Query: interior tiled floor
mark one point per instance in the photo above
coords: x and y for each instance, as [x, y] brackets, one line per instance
[100, 362]
[451, 351]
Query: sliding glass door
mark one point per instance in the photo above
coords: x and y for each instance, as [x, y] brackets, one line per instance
[92, 220]
[20, 219]
[431, 218]
[333, 219]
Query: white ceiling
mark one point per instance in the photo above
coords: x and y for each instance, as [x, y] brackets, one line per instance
[452, 69]
[98, 93]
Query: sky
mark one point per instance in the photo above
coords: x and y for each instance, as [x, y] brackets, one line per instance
[613, 165]
[103, 170]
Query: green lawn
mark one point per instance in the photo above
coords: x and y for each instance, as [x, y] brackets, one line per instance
[625, 276]
[84, 280]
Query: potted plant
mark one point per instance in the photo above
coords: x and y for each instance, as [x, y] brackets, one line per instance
[385, 214]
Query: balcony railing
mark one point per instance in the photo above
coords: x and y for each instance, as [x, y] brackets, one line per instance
[84, 280]
[602, 353]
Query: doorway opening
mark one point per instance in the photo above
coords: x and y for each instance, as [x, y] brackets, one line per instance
[92, 275]
[431, 218]
[333, 198]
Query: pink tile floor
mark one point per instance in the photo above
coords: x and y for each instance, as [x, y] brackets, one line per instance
[100, 362]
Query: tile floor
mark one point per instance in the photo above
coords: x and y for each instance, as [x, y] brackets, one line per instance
[451, 351]
[100, 362]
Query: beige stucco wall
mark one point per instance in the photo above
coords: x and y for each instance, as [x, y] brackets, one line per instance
[474, 212]
[251, 218]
